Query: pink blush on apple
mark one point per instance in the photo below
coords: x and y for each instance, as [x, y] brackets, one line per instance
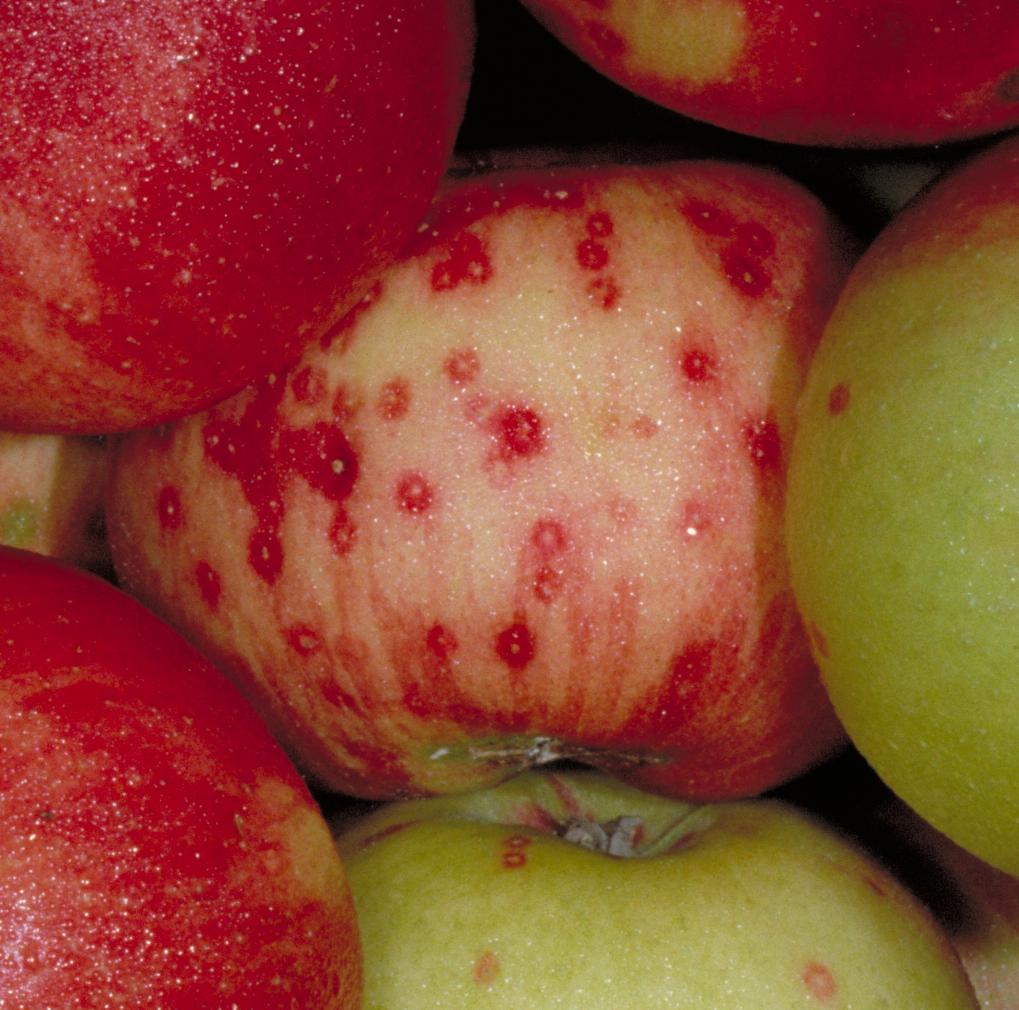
[519, 523]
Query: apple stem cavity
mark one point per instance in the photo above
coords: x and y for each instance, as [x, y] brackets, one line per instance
[618, 837]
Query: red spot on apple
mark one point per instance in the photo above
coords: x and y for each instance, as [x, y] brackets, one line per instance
[709, 217]
[342, 532]
[466, 262]
[838, 398]
[548, 537]
[547, 584]
[521, 432]
[462, 366]
[262, 455]
[168, 508]
[754, 239]
[644, 426]
[265, 554]
[513, 855]
[486, 968]
[764, 445]
[745, 271]
[604, 292]
[393, 400]
[441, 642]
[308, 385]
[321, 455]
[697, 365]
[304, 640]
[600, 224]
[515, 645]
[592, 255]
[209, 585]
[346, 404]
[414, 494]
[819, 981]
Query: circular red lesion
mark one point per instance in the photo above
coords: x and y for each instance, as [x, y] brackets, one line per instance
[394, 399]
[521, 432]
[515, 645]
[462, 366]
[414, 493]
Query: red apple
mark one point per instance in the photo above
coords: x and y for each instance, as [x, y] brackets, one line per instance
[853, 72]
[159, 850]
[528, 503]
[191, 190]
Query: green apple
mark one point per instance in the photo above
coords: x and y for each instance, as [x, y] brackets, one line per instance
[572, 890]
[903, 505]
[52, 490]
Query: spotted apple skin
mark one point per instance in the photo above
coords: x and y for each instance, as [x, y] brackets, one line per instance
[159, 849]
[858, 73]
[570, 890]
[526, 502]
[192, 191]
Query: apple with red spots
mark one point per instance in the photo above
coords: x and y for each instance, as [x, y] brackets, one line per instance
[159, 849]
[856, 73]
[527, 504]
[572, 890]
[191, 191]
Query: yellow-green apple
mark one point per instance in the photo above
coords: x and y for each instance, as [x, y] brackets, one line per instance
[903, 509]
[574, 890]
[839, 72]
[51, 496]
[527, 503]
[159, 849]
[976, 905]
[191, 191]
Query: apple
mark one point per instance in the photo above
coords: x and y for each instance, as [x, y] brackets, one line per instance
[976, 905]
[52, 496]
[574, 890]
[903, 505]
[192, 191]
[857, 73]
[159, 850]
[527, 504]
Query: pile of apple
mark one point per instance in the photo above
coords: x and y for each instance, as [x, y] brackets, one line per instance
[465, 547]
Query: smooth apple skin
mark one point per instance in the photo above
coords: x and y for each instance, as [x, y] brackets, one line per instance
[858, 73]
[192, 191]
[159, 850]
[976, 904]
[480, 900]
[52, 497]
[528, 503]
[903, 504]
